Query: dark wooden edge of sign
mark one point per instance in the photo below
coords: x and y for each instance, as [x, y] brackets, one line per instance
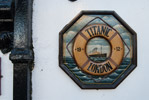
[98, 86]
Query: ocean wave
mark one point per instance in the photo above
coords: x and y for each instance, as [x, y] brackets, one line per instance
[122, 66]
[72, 65]
[76, 69]
[113, 75]
[79, 73]
[95, 79]
[84, 78]
[119, 71]
[107, 80]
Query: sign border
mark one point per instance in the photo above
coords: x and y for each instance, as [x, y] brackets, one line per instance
[98, 86]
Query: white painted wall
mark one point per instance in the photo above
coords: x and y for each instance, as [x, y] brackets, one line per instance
[7, 80]
[50, 16]
[50, 82]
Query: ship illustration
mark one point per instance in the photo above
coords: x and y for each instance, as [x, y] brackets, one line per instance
[96, 53]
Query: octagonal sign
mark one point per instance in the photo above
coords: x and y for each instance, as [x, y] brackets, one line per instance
[97, 49]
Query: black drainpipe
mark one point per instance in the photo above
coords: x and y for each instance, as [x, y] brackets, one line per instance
[16, 37]
[22, 55]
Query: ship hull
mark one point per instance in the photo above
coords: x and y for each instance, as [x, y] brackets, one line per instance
[98, 55]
